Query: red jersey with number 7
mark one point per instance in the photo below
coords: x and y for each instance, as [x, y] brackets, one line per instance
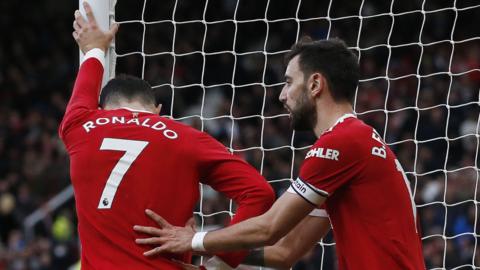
[124, 161]
[368, 196]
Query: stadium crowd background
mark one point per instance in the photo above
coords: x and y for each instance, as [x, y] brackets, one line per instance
[39, 59]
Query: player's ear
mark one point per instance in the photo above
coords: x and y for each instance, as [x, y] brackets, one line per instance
[158, 109]
[316, 83]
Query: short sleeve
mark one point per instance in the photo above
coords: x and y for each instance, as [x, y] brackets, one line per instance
[332, 162]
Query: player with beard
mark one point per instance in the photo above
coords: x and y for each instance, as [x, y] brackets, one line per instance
[349, 171]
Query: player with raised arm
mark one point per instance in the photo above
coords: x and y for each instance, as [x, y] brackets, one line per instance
[126, 158]
[349, 171]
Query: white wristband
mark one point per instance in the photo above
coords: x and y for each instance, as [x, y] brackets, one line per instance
[97, 53]
[197, 241]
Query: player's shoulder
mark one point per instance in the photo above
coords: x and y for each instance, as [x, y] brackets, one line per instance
[349, 135]
[192, 134]
[348, 131]
[181, 127]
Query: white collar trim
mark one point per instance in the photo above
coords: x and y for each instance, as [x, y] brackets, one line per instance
[135, 110]
[341, 119]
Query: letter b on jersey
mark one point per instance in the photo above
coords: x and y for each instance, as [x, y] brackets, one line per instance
[379, 152]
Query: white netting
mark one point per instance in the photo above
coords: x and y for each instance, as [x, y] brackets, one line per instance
[217, 65]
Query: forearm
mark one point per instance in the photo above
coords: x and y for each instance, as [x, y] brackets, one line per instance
[264, 230]
[271, 256]
[255, 257]
[277, 256]
[89, 79]
[286, 252]
[246, 235]
[86, 89]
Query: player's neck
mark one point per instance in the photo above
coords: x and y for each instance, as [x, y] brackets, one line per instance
[328, 115]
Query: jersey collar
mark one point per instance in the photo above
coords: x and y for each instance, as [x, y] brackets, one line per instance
[340, 120]
[135, 110]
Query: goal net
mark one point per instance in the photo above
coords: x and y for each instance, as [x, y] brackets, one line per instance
[218, 66]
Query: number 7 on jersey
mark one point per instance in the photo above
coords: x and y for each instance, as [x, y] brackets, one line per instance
[132, 150]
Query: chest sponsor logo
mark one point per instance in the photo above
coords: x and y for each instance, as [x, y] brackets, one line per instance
[325, 153]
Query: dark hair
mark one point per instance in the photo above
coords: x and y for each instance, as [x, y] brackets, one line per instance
[127, 87]
[334, 60]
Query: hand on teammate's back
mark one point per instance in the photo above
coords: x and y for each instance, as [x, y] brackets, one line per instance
[88, 35]
[167, 238]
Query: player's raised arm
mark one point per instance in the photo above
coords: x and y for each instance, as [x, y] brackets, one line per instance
[93, 42]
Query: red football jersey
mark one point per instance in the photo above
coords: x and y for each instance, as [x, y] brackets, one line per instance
[124, 161]
[368, 198]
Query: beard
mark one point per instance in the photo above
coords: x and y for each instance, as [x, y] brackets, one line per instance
[304, 115]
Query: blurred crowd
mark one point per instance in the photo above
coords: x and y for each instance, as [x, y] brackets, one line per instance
[219, 68]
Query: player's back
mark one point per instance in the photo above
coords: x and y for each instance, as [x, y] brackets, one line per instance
[123, 162]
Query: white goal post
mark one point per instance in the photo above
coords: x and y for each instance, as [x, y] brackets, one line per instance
[104, 11]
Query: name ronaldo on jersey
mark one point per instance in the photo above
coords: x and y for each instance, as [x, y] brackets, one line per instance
[157, 125]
